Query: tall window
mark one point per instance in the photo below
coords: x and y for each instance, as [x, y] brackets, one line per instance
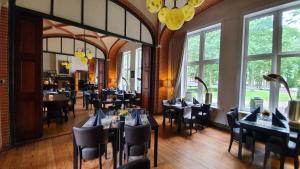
[202, 59]
[125, 81]
[138, 69]
[271, 45]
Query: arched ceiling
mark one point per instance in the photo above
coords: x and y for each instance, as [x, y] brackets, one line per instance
[104, 42]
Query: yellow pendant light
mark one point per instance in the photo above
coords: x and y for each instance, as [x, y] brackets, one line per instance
[188, 12]
[195, 3]
[154, 5]
[162, 14]
[174, 17]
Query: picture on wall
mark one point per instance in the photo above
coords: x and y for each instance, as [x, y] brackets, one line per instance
[61, 68]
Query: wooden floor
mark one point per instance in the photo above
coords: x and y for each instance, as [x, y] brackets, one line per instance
[206, 149]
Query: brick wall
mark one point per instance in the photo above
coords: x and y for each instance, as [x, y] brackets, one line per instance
[4, 116]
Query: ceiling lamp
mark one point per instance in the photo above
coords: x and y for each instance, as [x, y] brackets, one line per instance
[84, 53]
[175, 16]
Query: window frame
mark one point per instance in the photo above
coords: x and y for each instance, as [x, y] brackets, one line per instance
[138, 69]
[275, 57]
[126, 68]
[202, 62]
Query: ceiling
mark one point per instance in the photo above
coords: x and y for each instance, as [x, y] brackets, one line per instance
[104, 42]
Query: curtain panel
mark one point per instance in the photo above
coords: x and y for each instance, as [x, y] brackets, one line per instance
[176, 58]
[119, 68]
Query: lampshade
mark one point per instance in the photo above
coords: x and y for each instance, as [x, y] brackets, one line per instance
[174, 16]
[153, 5]
[167, 83]
[174, 19]
[195, 3]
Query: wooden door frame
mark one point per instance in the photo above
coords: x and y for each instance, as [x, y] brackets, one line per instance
[11, 61]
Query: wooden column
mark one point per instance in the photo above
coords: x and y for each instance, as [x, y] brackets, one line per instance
[146, 73]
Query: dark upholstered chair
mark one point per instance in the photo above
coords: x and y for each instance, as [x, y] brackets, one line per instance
[235, 132]
[72, 102]
[91, 143]
[136, 140]
[137, 164]
[54, 111]
[285, 148]
[203, 115]
[168, 113]
[190, 118]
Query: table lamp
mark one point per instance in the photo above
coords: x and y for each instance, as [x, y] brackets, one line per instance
[208, 96]
[293, 106]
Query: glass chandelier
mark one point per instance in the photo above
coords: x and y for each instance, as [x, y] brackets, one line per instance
[175, 16]
[84, 53]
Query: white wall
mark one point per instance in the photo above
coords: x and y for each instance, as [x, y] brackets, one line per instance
[230, 14]
[131, 46]
[50, 62]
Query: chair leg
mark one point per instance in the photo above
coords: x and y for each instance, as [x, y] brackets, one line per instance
[191, 127]
[253, 149]
[282, 159]
[230, 143]
[100, 162]
[267, 154]
[171, 122]
[296, 162]
[164, 121]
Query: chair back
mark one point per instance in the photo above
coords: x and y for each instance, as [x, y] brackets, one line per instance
[137, 164]
[127, 96]
[236, 112]
[205, 108]
[90, 136]
[231, 120]
[137, 135]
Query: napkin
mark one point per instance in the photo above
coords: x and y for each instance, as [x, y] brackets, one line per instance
[195, 101]
[99, 115]
[183, 103]
[253, 115]
[276, 121]
[280, 115]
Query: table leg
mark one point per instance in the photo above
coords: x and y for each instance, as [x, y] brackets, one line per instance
[180, 112]
[115, 148]
[75, 154]
[240, 143]
[155, 147]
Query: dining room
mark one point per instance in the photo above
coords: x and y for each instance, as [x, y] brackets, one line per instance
[181, 84]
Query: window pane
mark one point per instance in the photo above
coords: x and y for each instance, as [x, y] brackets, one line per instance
[193, 48]
[260, 35]
[212, 44]
[290, 70]
[291, 30]
[192, 84]
[211, 78]
[256, 86]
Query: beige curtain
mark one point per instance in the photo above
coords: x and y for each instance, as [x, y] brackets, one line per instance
[176, 55]
[119, 61]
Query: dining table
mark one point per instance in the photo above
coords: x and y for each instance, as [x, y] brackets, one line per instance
[179, 110]
[116, 131]
[61, 99]
[265, 126]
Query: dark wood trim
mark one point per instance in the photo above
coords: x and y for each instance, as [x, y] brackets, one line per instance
[11, 67]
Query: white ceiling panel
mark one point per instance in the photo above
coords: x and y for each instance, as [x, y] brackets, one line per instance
[68, 46]
[133, 26]
[43, 6]
[115, 18]
[94, 13]
[68, 9]
[54, 45]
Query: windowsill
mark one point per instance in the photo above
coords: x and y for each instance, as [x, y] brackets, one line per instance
[244, 112]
